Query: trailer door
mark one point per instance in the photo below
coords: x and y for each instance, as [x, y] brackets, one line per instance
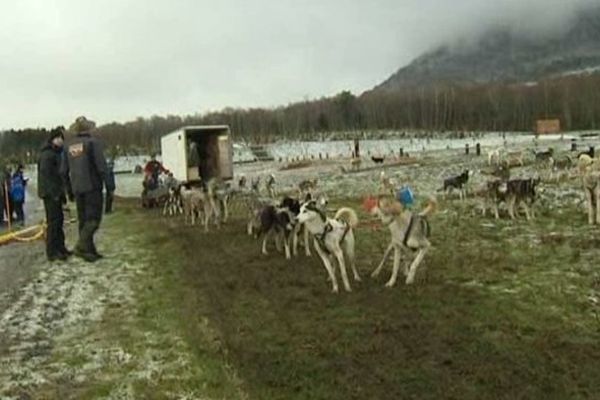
[225, 157]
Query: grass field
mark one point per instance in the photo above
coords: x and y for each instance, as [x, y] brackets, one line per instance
[500, 310]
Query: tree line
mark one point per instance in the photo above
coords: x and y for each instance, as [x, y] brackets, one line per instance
[575, 100]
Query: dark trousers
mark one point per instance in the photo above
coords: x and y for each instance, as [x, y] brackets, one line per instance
[2, 200]
[89, 214]
[110, 195]
[11, 209]
[55, 236]
[18, 208]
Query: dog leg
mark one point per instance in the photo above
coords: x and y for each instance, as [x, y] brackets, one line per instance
[295, 234]
[349, 247]
[264, 243]
[339, 255]
[278, 242]
[206, 219]
[286, 244]
[496, 214]
[597, 203]
[511, 207]
[251, 224]
[589, 194]
[415, 264]
[526, 208]
[297, 229]
[328, 267]
[386, 255]
[217, 213]
[395, 269]
[306, 243]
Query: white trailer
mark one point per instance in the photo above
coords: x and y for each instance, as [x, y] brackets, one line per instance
[196, 153]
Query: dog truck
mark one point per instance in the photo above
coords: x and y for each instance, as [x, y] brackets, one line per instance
[198, 153]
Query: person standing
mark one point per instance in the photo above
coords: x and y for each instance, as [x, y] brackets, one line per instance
[52, 192]
[84, 170]
[7, 178]
[152, 171]
[3, 196]
[110, 186]
[18, 186]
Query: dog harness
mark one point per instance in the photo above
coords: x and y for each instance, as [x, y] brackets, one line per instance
[328, 229]
[411, 224]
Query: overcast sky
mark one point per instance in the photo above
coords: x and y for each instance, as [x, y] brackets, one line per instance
[114, 60]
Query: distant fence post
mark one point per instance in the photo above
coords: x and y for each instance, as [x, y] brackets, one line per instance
[592, 151]
[478, 149]
[467, 149]
[401, 151]
[573, 145]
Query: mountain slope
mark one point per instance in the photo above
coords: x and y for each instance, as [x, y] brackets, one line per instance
[502, 56]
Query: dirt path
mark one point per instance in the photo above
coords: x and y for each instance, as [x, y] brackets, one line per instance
[20, 262]
[76, 331]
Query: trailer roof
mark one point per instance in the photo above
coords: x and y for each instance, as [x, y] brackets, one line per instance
[200, 128]
[208, 127]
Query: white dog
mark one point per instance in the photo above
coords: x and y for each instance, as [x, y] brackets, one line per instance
[589, 170]
[196, 203]
[494, 156]
[409, 232]
[333, 239]
[386, 185]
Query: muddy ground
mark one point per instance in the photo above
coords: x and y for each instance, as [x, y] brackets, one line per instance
[501, 309]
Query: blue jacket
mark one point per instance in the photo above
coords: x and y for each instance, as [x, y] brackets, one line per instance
[17, 187]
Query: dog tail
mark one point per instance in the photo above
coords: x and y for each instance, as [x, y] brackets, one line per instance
[431, 208]
[348, 215]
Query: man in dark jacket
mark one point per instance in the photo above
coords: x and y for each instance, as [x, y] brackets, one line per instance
[110, 186]
[51, 191]
[84, 173]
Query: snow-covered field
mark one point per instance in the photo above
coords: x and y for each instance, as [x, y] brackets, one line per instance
[335, 182]
[48, 319]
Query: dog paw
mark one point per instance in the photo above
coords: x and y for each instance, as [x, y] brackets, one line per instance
[390, 284]
[358, 278]
[335, 290]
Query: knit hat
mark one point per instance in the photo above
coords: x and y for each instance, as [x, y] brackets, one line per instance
[82, 124]
[59, 131]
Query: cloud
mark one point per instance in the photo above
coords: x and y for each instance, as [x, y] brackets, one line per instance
[117, 59]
